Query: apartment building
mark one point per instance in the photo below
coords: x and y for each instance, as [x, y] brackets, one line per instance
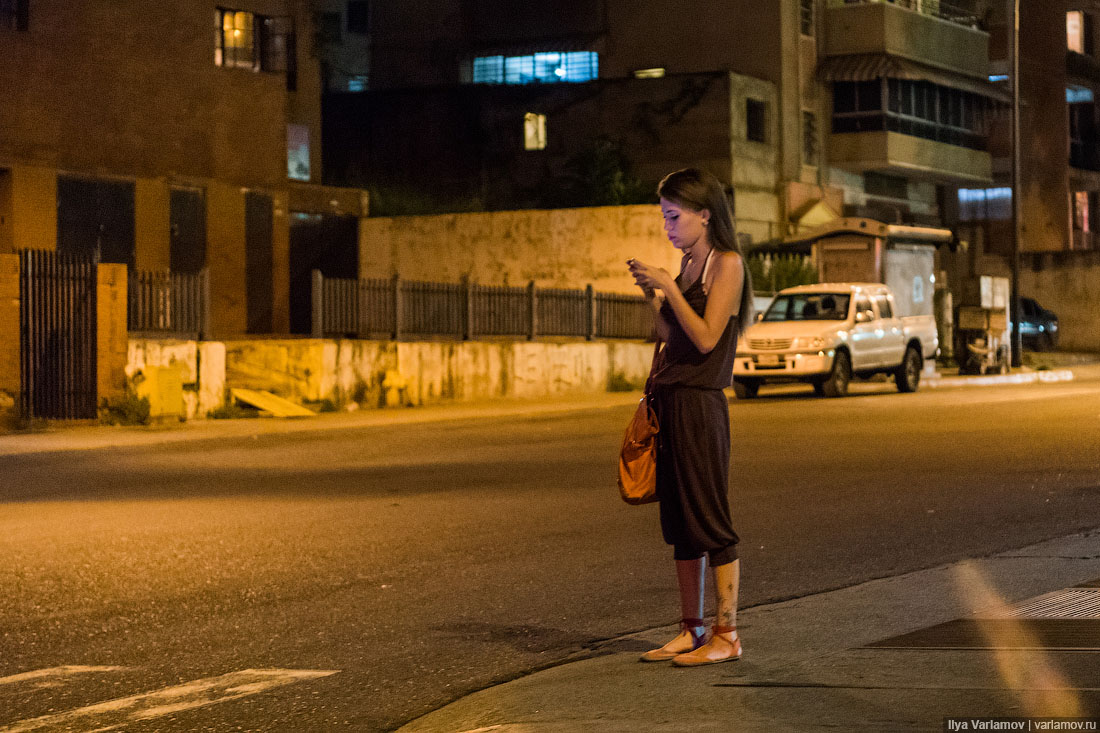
[173, 135]
[809, 109]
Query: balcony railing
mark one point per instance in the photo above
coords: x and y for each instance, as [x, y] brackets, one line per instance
[960, 12]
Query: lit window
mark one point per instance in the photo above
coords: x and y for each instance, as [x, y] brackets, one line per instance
[985, 204]
[357, 83]
[534, 131]
[1081, 211]
[1077, 95]
[14, 14]
[654, 73]
[572, 66]
[297, 152]
[1079, 31]
[244, 40]
[235, 41]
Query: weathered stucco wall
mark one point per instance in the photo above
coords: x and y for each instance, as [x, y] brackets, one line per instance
[1070, 290]
[200, 365]
[566, 248]
[378, 373]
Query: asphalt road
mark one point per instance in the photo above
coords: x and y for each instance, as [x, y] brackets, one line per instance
[387, 571]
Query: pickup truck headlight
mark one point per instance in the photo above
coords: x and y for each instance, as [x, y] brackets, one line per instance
[808, 342]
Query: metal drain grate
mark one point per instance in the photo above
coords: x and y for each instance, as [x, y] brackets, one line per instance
[1072, 603]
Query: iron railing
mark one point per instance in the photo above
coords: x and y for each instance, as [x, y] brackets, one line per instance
[961, 12]
[168, 303]
[397, 309]
[58, 335]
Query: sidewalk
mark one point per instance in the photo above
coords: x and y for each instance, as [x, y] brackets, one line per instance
[809, 663]
[1059, 367]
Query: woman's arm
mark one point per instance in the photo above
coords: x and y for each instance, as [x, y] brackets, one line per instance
[723, 298]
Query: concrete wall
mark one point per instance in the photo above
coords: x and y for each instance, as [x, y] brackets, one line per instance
[1069, 289]
[10, 379]
[111, 337]
[377, 373]
[201, 366]
[555, 248]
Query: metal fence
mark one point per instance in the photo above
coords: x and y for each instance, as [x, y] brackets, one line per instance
[397, 309]
[58, 339]
[168, 303]
[962, 12]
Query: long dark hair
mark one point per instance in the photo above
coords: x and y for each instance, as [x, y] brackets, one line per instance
[697, 190]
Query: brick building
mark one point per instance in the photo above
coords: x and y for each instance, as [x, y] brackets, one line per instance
[174, 135]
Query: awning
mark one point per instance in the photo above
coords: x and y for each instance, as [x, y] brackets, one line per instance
[864, 67]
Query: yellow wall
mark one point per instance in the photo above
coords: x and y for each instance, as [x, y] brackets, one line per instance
[565, 248]
[112, 339]
[225, 258]
[9, 335]
[151, 226]
[33, 214]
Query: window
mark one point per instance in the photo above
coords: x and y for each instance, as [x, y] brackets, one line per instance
[297, 152]
[1081, 211]
[654, 73]
[885, 310]
[358, 17]
[880, 184]
[534, 131]
[911, 107]
[572, 66]
[985, 204]
[756, 120]
[806, 17]
[14, 14]
[357, 83]
[244, 40]
[809, 138]
[1079, 32]
[235, 39]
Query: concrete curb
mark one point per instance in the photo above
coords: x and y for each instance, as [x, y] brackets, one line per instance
[807, 666]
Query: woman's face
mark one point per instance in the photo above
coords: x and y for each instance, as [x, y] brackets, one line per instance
[685, 227]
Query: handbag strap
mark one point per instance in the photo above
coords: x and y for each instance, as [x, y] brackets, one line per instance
[653, 371]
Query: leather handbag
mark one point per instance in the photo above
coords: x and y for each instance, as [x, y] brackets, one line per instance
[638, 454]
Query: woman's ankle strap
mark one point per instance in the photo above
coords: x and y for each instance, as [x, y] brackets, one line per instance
[724, 629]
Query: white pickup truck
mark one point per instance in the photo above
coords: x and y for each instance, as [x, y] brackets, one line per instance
[824, 334]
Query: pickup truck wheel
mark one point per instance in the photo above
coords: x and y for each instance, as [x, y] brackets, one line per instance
[746, 389]
[907, 375]
[837, 383]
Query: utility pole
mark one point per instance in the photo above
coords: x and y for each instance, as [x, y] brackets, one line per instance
[1014, 305]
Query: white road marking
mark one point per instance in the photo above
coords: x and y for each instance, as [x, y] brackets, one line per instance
[118, 713]
[53, 673]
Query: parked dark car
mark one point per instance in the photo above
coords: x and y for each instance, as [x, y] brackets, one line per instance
[1038, 326]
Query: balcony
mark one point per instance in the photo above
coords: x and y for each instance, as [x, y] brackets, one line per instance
[909, 156]
[931, 32]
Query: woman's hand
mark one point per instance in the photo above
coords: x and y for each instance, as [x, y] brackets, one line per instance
[650, 278]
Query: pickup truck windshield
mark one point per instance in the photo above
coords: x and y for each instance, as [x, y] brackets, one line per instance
[809, 307]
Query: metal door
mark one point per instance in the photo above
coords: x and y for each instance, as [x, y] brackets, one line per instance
[259, 257]
[57, 319]
[187, 227]
[95, 219]
[322, 242]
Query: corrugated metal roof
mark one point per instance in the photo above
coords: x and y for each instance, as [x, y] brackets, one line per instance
[864, 67]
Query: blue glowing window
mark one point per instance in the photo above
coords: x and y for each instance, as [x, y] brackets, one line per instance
[541, 68]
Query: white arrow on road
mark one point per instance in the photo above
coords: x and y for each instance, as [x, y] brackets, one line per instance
[115, 714]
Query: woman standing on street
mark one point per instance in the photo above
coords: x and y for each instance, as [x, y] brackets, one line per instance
[699, 315]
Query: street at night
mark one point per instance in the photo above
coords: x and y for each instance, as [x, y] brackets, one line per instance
[389, 570]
